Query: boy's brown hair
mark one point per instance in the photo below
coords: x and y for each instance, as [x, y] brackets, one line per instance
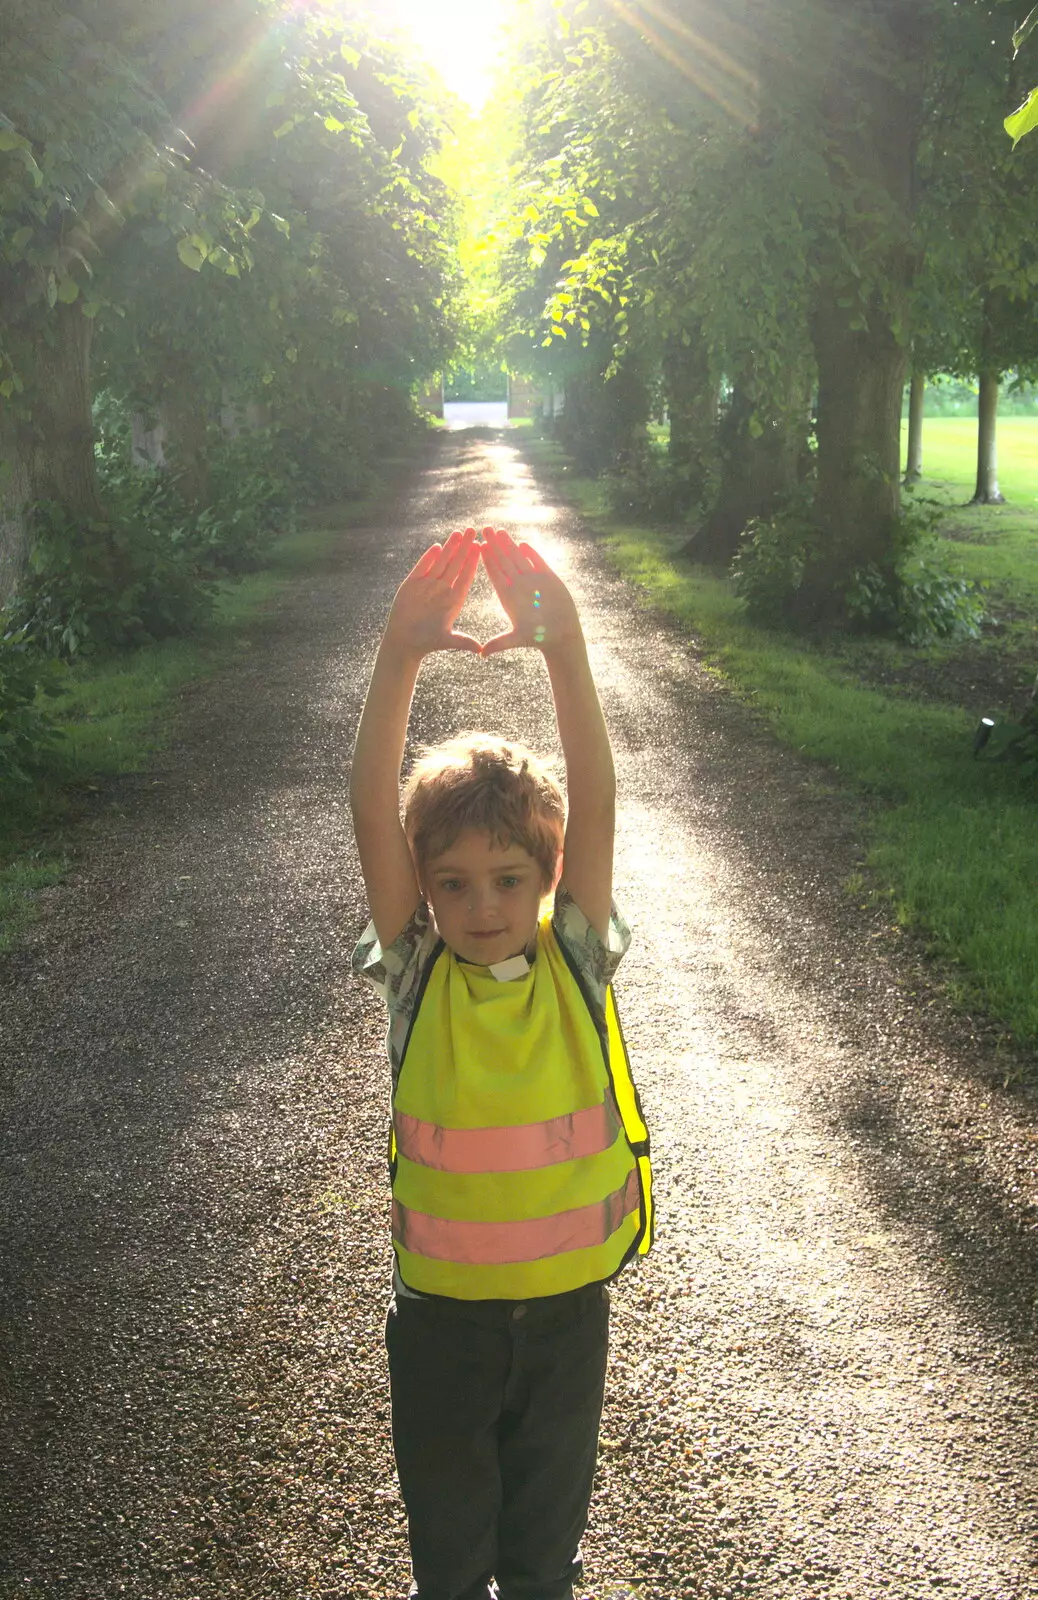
[478, 781]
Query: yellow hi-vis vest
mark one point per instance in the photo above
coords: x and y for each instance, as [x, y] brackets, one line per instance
[519, 1155]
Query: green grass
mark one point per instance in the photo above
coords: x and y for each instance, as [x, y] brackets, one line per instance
[994, 545]
[116, 713]
[952, 842]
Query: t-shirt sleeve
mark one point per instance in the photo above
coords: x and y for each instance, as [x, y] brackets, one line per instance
[596, 960]
[394, 972]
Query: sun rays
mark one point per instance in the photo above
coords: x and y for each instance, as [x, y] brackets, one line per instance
[711, 69]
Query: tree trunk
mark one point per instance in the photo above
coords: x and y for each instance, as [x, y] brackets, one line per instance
[185, 441]
[49, 456]
[15, 499]
[242, 416]
[916, 401]
[605, 421]
[758, 470]
[861, 384]
[692, 394]
[872, 99]
[987, 492]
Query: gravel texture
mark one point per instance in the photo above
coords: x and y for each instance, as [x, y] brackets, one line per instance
[822, 1381]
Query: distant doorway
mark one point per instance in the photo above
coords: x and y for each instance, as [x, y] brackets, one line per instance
[476, 398]
[475, 413]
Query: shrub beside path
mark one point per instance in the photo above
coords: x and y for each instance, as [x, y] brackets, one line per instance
[823, 1380]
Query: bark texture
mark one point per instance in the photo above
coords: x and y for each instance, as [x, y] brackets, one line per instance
[757, 472]
[49, 455]
[916, 402]
[871, 116]
[692, 394]
[987, 492]
[15, 498]
[861, 380]
[604, 425]
[184, 421]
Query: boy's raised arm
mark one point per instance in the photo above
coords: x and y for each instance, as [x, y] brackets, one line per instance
[421, 620]
[543, 615]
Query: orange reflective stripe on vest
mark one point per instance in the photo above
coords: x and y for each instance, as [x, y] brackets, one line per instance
[517, 1149]
[530, 1239]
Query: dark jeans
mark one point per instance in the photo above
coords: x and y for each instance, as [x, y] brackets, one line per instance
[496, 1405]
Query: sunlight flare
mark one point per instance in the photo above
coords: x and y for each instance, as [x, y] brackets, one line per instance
[714, 71]
[460, 38]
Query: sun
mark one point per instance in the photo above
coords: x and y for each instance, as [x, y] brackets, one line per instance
[460, 38]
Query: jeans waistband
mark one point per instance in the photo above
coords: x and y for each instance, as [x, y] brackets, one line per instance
[538, 1311]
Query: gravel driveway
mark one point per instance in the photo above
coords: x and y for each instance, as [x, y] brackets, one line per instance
[823, 1380]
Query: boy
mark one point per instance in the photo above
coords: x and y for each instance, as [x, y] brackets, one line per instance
[519, 1157]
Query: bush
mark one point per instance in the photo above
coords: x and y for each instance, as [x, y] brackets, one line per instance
[775, 561]
[919, 603]
[779, 572]
[650, 488]
[250, 500]
[104, 585]
[27, 730]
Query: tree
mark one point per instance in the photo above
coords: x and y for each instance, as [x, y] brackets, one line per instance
[764, 168]
[87, 157]
[976, 226]
[279, 235]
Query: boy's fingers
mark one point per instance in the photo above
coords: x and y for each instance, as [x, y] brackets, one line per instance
[464, 577]
[426, 561]
[502, 641]
[463, 641]
[503, 549]
[448, 551]
[535, 558]
[500, 568]
[464, 555]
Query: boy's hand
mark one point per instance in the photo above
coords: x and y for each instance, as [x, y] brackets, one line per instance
[534, 599]
[428, 601]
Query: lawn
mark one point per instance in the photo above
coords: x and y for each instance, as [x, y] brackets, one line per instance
[994, 545]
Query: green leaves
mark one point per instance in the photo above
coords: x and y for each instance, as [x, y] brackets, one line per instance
[308, 262]
[1024, 119]
[1024, 31]
[193, 251]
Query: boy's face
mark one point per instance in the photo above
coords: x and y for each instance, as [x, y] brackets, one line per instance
[485, 896]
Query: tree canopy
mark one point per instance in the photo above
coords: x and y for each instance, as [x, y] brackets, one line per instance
[759, 215]
[203, 206]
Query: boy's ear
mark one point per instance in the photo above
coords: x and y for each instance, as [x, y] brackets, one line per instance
[554, 884]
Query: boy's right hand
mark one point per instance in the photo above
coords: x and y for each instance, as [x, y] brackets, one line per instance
[430, 598]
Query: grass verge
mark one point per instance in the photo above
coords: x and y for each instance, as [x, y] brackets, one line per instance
[953, 843]
[117, 712]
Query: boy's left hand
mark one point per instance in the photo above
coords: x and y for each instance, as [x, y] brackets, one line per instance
[534, 599]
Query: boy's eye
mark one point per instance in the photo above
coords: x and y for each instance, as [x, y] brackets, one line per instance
[509, 881]
[450, 884]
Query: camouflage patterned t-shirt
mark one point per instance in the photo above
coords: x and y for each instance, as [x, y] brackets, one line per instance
[396, 974]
